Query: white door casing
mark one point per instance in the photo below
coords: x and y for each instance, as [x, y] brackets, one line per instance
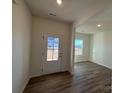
[51, 53]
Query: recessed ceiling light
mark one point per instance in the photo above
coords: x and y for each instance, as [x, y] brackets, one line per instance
[59, 2]
[99, 25]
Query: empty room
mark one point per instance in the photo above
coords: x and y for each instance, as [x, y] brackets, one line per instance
[61, 46]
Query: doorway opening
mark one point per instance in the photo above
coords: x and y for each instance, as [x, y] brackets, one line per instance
[81, 49]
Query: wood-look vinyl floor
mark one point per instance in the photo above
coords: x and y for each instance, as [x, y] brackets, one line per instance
[88, 78]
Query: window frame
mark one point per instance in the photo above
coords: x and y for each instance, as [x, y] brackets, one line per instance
[82, 45]
[53, 49]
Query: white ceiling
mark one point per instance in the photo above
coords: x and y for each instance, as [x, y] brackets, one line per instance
[85, 13]
[90, 26]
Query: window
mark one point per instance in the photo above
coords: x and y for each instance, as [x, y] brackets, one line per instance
[78, 47]
[52, 48]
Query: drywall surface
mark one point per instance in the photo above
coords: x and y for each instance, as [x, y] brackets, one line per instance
[86, 47]
[101, 48]
[21, 28]
[42, 25]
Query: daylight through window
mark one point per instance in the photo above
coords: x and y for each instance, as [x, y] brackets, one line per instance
[52, 48]
[78, 47]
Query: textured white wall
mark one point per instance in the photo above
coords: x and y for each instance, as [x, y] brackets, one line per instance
[21, 28]
[101, 48]
[48, 26]
[86, 47]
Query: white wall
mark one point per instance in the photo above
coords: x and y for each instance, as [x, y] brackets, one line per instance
[72, 49]
[86, 47]
[101, 48]
[49, 26]
[21, 27]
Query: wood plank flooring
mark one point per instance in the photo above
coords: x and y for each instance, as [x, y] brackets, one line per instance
[88, 78]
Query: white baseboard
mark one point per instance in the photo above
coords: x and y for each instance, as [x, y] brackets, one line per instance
[36, 75]
[102, 65]
[25, 84]
[81, 61]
